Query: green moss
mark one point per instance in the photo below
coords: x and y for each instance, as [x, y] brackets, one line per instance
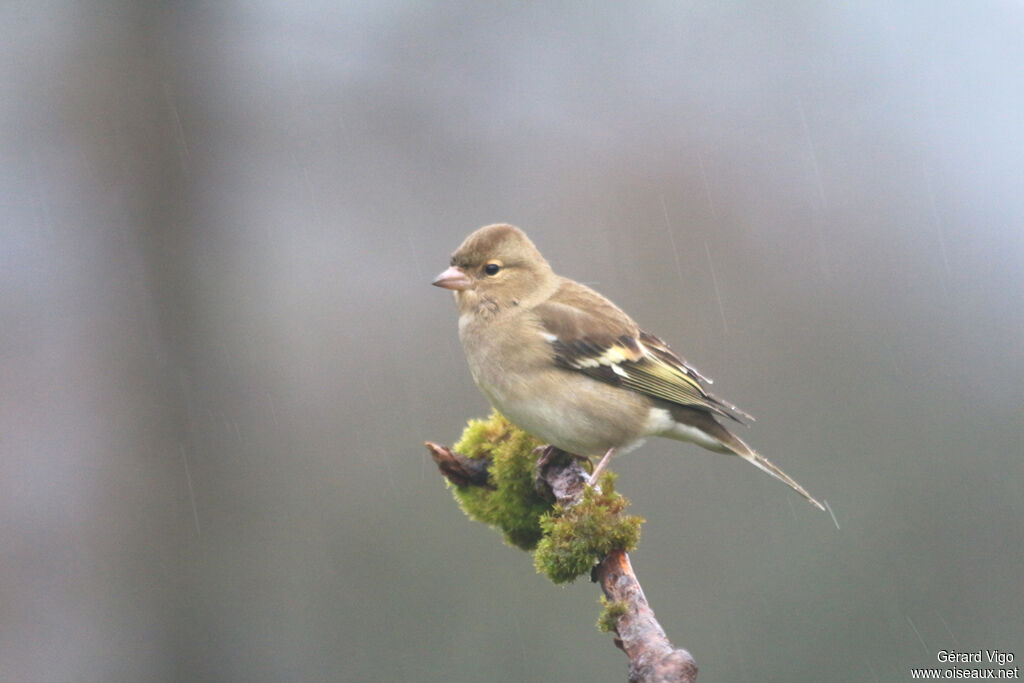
[513, 507]
[576, 539]
[611, 612]
[568, 542]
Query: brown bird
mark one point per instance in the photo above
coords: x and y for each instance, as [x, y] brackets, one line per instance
[568, 366]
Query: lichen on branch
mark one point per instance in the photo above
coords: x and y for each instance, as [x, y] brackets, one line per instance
[577, 538]
[568, 541]
[513, 506]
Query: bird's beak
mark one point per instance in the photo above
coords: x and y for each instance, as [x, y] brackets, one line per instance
[453, 278]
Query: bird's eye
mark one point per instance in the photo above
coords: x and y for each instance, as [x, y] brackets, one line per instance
[492, 268]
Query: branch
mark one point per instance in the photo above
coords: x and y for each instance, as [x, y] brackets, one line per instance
[652, 658]
[457, 468]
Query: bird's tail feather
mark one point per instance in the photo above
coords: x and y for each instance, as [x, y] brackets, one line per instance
[766, 465]
[737, 446]
[721, 439]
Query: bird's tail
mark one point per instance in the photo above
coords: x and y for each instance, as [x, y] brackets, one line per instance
[766, 465]
[718, 438]
[737, 446]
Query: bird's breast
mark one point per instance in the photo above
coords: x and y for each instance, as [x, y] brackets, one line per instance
[515, 369]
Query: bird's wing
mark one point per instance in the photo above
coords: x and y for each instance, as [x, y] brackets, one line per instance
[591, 335]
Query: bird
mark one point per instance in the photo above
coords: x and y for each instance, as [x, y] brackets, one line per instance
[566, 365]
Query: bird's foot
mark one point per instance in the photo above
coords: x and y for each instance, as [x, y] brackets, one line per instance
[600, 466]
[549, 456]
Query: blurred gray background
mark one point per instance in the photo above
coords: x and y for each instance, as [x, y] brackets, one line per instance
[220, 353]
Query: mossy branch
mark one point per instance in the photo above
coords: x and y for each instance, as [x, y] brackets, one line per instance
[546, 505]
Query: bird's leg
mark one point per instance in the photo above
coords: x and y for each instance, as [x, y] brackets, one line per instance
[601, 465]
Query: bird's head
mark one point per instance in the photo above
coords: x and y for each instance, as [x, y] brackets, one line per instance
[497, 264]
